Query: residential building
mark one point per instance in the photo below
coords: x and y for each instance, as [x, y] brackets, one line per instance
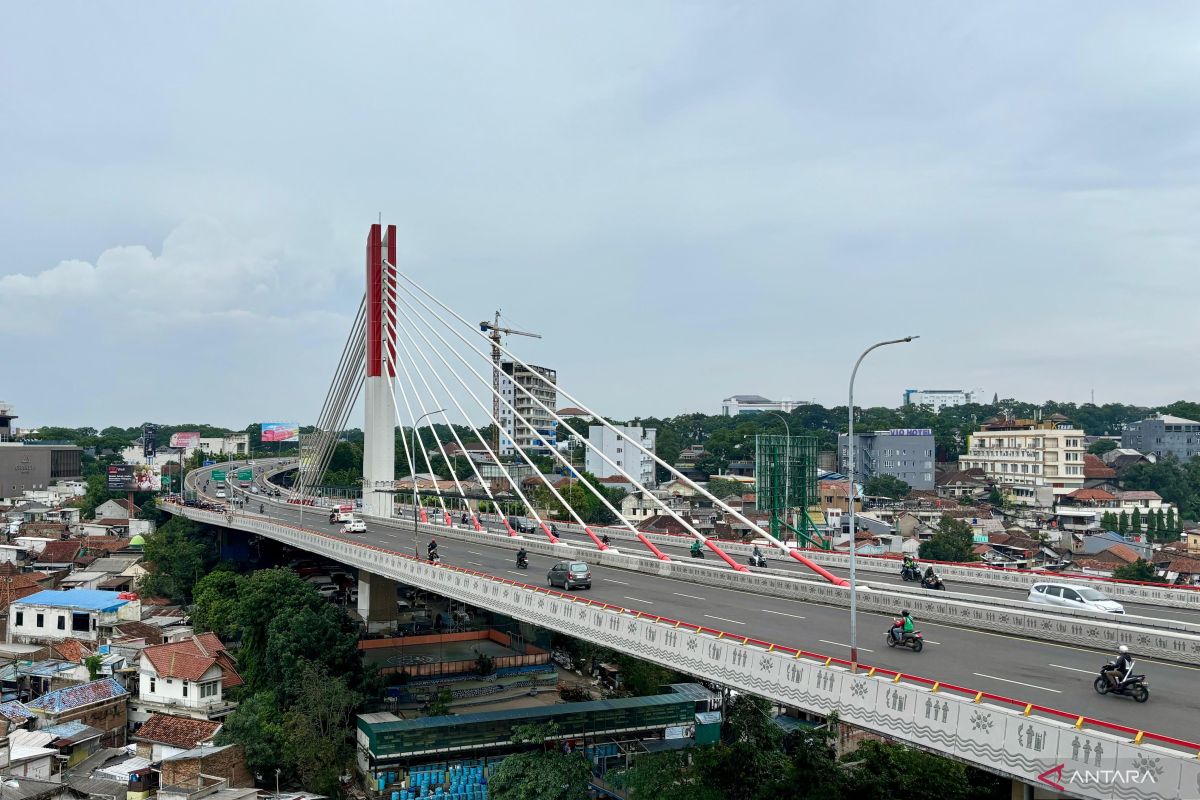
[85, 614]
[117, 509]
[33, 467]
[904, 453]
[100, 704]
[968, 483]
[621, 447]
[190, 773]
[186, 677]
[166, 735]
[539, 435]
[937, 399]
[1163, 435]
[572, 411]
[688, 460]
[1035, 462]
[755, 404]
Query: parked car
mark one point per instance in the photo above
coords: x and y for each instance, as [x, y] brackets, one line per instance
[570, 575]
[327, 590]
[1072, 595]
[521, 524]
[355, 526]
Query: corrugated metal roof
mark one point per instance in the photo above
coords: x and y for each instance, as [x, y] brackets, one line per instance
[87, 599]
[77, 696]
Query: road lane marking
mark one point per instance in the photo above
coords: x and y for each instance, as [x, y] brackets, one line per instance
[692, 596]
[475, 552]
[476, 563]
[839, 644]
[610, 580]
[1018, 683]
[733, 621]
[514, 572]
[639, 600]
[1077, 669]
[783, 614]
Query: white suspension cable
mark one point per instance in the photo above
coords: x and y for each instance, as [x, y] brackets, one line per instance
[417, 441]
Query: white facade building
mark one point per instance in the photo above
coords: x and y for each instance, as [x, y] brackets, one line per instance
[1036, 463]
[84, 614]
[623, 452]
[937, 399]
[187, 677]
[755, 403]
[540, 435]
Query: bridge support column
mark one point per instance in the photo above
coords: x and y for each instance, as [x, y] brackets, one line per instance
[377, 598]
[379, 404]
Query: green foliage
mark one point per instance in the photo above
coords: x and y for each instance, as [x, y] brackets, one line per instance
[887, 486]
[93, 664]
[589, 507]
[1177, 483]
[1102, 446]
[316, 728]
[1140, 570]
[1135, 520]
[438, 704]
[953, 542]
[1152, 524]
[543, 772]
[641, 678]
[1123, 523]
[257, 724]
[1172, 523]
[484, 664]
[888, 771]
[177, 555]
[1109, 521]
[722, 488]
[216, 602]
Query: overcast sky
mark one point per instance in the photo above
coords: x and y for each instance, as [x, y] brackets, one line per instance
[687, 200]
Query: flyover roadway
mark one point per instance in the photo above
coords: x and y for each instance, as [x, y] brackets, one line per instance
[1054, 675]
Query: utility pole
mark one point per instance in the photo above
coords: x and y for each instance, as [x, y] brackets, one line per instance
[496, 330]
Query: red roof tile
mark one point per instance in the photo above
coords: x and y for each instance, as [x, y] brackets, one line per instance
[175, 731]
[1092, 494]
[62, 552]
[71, 650]
[1095, 468]
[190, 658]
[140, 630]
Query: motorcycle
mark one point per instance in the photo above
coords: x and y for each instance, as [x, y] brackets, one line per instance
[522, 562]
[934, 583]
[434, 558]
[913, 640]
[1134, 687]
[696, 552]
[758, 561]
[910, 573]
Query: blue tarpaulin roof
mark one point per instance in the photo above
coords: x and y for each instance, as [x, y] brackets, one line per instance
[88, 599]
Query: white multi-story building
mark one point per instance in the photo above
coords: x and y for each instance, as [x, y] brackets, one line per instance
[188, 677]
[623, 452]
[937, 399]
[540, 435]
[1035, 463]
[755, 403]
[84, 614]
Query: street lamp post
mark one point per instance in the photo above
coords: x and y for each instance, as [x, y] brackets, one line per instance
[412, 471]
[851, 495]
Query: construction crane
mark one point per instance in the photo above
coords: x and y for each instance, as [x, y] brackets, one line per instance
[494, 335]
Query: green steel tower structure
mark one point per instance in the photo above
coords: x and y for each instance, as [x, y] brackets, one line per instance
[785, 478]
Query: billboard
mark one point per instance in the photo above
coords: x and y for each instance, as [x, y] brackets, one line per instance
[149, 441]
[134, 478]
[185, 440]
[281, 431]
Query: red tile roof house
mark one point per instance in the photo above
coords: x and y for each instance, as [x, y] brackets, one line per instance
[187, 677]
[166, 735]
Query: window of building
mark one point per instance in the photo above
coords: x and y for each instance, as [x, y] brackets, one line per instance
[185, 688]
[152, 684]
[210, 689]
[20, 618]
[62, 622]
[41, 622]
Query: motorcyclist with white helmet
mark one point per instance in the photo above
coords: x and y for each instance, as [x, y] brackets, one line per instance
[1122, 668]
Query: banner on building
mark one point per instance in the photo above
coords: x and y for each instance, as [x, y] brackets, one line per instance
[281, 432]
[185, 440]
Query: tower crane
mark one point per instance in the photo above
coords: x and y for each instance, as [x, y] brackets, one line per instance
[494, 335]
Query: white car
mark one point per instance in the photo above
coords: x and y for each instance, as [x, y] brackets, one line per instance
[1072, 595]
[221, 494]
[355, 526]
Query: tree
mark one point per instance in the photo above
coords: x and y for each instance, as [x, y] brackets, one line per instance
[93, 664]
[317, 726]
[266, 595]
[1172, 526]
[438, 704]
[215, 602]
[722, 488]
[1123, 523]
[887, 486]
[1108, 521]
[1151, 524]
[321, 637]
[888, 771]
[543, 772]
[177, 555]
[257, 725]
[1102, 446]
[954, 541]
[1140, 570]
[1135, 520]
[668, 776]
[1160, 525]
